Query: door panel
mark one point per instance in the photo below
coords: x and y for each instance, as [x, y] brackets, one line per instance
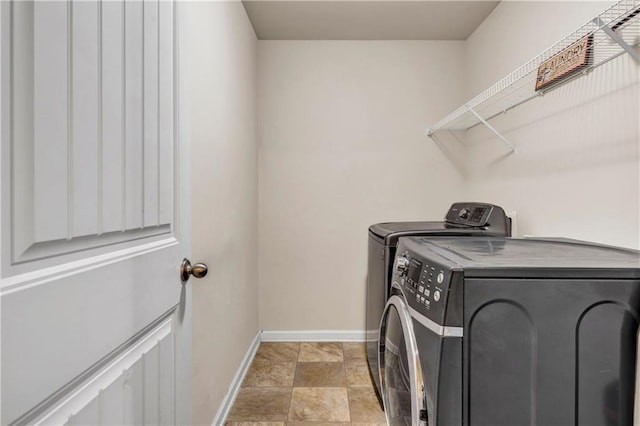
[128, 390]
[83, 102]
[64, 326]
[43, 138]
[134, 130]
[113, 118]
[93, 167]
[166, 100]
[84, 156]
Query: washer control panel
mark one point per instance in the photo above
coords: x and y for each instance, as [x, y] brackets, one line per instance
[484, 216]
[425, 284]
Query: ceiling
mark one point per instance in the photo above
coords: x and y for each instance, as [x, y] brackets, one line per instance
[366, 20]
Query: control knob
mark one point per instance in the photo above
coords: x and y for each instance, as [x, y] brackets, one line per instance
[402, 264]
[464, 213]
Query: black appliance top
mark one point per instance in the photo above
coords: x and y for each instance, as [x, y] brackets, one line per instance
[530, 258]
[391, 231]
[386, 229]
[462, 219]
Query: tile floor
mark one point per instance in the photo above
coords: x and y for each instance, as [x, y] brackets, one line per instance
[313, 384]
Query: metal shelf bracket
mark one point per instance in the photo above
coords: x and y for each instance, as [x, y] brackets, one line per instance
[615, 37]
[498, 134]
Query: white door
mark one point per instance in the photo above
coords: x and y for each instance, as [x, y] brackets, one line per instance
[94, 217]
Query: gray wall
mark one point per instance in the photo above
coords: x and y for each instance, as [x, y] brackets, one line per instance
[224, 197]
[342, 147]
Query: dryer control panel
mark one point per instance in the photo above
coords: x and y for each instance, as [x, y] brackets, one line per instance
[425, 284]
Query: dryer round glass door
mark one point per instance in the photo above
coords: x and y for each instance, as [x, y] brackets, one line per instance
[401, 379]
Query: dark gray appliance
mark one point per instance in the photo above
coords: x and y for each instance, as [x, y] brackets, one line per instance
[509, 332]
[462, 219]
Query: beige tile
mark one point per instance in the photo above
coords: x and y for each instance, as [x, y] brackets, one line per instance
[320, 374]
[364, 406]
[358, 374]
[320, 352]
[270, 374]
[356, 352]
[367, 424]
[318, 423]
[261, 405]
[278, 352]
[254, 424]
[319, 404]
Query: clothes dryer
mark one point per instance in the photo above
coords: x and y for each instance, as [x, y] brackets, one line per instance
[506, 332]
[463, 219]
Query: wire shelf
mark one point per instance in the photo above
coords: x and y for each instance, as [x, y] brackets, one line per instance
[614, 32]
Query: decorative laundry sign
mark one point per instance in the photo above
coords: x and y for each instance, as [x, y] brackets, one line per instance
[567, 62]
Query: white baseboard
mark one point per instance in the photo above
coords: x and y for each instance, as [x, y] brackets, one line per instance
[227, 403]
[313, 336]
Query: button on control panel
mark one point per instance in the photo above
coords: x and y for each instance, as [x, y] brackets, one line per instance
[402, 264]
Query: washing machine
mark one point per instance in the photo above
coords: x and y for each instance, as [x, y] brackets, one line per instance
[462, 220]
[507, 332]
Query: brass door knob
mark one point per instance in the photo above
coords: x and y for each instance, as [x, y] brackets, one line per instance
[198, 270]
